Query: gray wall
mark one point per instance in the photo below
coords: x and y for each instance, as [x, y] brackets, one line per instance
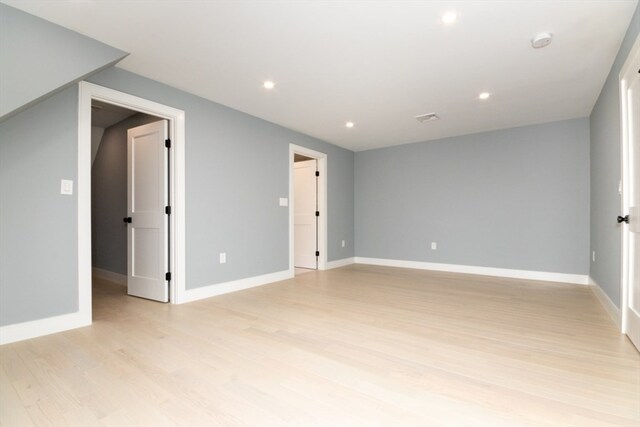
[605, 174]
[38, 57]
[38, 225]
[109, 196]
[515, 198]
[236, 170]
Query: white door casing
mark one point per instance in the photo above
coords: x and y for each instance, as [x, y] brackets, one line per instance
[147, 196]
[630, 115]
[305, 219]
[322, 204]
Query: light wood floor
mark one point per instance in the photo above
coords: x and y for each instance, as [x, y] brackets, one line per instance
[356, 346]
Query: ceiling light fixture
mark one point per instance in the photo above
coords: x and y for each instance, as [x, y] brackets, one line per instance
[269, 84]
[449, 17]
[541, 40]
[349, 124]
[427, 117]
[484, 96]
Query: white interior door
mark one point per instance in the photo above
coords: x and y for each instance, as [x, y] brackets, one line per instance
[633, 228]
[305, 205]
[147, 234]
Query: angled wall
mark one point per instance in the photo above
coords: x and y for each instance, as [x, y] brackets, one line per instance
[38, 58]
[38, 225]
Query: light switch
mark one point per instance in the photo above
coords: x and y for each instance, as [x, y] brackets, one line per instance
[284, 201]
[223, 257]
[66, 186]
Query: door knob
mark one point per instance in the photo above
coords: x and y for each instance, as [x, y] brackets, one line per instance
[127, 219]
[622, 219]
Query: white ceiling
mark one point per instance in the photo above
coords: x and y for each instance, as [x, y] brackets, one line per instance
[376, 63]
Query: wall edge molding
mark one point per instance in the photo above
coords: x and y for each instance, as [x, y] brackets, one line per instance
[111, 276]
[340, 263]
[209, 291]
[48, 325]
[578, 279]
[608, 305]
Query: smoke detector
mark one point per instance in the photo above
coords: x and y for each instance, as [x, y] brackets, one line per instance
[541, 40]
[429, 117]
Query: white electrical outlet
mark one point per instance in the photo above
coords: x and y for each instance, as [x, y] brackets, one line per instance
[593, 256]
[223, 257]
[434, 246]
[343, 243]
[284, 201]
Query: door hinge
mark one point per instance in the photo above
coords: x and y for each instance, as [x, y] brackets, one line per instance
[167, 210]
[167, 276]
[317, 253]
[317, 173]
[167, 143]
[317, 213]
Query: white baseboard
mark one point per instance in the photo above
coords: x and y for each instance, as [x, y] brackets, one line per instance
[118, 278]
[609, 306]
[36, 328]
[579, 279]
[236, 285]
[340, 263]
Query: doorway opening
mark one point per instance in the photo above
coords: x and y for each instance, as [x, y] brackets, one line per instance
[307, 210]
[174, 131]
[129, 229]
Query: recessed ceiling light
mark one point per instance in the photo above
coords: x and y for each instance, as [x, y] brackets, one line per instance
[269, 84]
[349, 124]
[449, 17]
[484, 95]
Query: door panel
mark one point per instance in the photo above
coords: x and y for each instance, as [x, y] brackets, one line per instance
[304, 209]
[633, 229]
[147, 237]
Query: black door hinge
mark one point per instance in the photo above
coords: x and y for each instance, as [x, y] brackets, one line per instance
[167, 143]
[167, 210]
[317, 253]
[317, 213]
[167, 276]
[317, 173]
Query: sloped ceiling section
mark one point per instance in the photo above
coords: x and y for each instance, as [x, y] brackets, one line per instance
[39, 58]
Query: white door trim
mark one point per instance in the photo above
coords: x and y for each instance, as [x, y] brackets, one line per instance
[322, 204]
[176, 118]
[629, 69]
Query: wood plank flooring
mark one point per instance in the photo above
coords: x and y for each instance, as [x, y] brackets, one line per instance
[356, 346]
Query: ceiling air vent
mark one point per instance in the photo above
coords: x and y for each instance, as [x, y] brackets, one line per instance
[429, 117]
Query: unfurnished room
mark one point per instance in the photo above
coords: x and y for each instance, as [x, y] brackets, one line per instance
[319, 213]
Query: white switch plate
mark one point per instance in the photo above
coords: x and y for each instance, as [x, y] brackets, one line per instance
[284, 201]
[66, 186]
[434, 246]
[223, 257]
[343, 243]
[593, 256]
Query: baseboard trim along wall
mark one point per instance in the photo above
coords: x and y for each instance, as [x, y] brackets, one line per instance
[236, 285]
[605, 301]
[117, 278]
[40, 327]
[340, 263]
[578, 279]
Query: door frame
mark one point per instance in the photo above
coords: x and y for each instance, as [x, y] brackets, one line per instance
[629, 69]
[87, 93]
[322, 204]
